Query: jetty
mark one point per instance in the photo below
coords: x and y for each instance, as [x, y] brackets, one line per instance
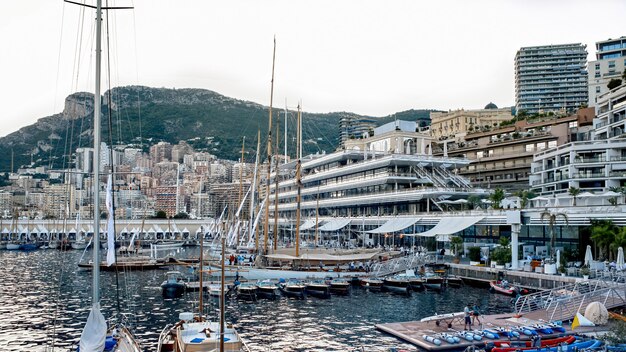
[557, 304]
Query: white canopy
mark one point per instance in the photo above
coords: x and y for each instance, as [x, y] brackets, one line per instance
[394, 225]
[610, 194]
[449, 226]
[307, 224]
[335, 224]
[585, 194]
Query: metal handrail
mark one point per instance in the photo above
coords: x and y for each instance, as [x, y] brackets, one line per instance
[568, 307]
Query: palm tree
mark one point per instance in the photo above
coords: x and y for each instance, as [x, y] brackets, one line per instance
[619, 240]
[552, 218]
[603, 234]
[574, 192]
[496, 197]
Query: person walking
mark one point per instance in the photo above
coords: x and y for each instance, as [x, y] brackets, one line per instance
[468, 318]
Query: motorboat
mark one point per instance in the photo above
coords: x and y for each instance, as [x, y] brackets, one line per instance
[397, 284]
[293, 288]
[372, 283]
[339, 286]
[267, 289]
[247, 290]
[174, 285]
[318, 288]
[433, 281]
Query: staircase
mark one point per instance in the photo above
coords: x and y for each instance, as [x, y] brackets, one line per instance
[397, 265]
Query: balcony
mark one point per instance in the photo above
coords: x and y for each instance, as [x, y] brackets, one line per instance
[589, 175]
[589, 160]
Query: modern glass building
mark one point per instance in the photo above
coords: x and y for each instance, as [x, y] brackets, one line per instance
[551, 78]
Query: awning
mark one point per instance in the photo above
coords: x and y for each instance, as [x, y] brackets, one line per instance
[307, 224]
[449, 226]
[335, 224]
[394, 225]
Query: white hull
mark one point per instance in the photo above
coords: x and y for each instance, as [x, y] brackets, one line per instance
[168, 246]
[13, 246]
[79, 245]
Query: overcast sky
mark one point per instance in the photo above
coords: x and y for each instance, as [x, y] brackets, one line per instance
[369, 57]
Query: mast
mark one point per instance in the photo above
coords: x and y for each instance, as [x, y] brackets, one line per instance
[200, 303]
[298, 186]
[269, 157]
[253, 189]
[243, 145]
[222, 300]
[276, 195]
[317, 213]
[285, 140]
[95, 297]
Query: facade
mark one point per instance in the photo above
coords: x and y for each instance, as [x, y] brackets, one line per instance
[392, 173]
[592, 166]
[161, 151]
[551, 78]
[609, 64]
[502, 157]
[456, 124]
[353, 126]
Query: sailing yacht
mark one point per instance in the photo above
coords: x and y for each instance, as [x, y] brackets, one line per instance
[96, 336]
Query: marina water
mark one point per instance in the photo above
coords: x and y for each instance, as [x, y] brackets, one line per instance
[44, 295]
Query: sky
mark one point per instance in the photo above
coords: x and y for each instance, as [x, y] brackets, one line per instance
[369, 57]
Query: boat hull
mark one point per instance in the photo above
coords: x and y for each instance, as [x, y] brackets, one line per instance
[271, 274]
[172, 289]
[318, 291]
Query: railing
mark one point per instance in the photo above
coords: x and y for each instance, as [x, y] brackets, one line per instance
[543, 299]
[567, 308]
[396, 265]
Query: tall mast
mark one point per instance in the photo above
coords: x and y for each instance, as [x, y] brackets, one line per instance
[96, 161]
[243, 145]
[253, 189]
[200, 303]
[317, 213]
[222, 300]
[276, 194]
[269, 158]
[285, 140]
[298, 186]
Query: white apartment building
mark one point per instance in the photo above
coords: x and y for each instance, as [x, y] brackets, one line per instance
[593, 166]
[610, 63]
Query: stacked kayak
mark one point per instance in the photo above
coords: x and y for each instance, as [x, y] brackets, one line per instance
[563, 344]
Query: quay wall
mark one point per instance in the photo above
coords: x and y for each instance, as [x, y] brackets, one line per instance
[535, 281]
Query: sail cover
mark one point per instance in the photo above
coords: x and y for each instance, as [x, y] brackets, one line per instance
[335, 224]
[449, 226]
[394, 225]
[110, 224]
[95, 331]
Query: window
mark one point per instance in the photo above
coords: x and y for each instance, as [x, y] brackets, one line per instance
[612, 64]
[490, 152]
[574, 124]
[597, 66]
[541, 146]
[597, 74]
[552, 144]
[480, 154]
[598, 89]
[530, 147]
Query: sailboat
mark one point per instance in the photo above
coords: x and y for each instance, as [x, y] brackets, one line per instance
[96, 336]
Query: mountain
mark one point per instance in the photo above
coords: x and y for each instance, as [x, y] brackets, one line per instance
[142, 116]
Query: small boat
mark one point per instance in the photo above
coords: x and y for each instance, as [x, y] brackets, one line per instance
[318, 288]
[247, 290]
[215, 290]
[340, 286]
[267, 289]
[416, 283]
[29, 246]
[506, 346]
[454, 281]
[293, 288]
[159, 245]
[79, 244]
[505, 288]
[433, 281]
[128, 263]
[397, 284]
[447, 318]
[372, 283]
[13, 246]
[573, 346]
[173, 286]
[189, 334]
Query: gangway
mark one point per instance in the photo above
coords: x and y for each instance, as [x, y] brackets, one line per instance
[401, 264]
[562, 303]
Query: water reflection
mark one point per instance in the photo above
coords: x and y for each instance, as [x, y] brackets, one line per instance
[45, 299]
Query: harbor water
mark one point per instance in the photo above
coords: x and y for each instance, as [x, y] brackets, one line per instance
[45, 299]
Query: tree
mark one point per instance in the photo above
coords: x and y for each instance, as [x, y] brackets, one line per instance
[473, 201]
[552, 218]
[603, 235]
[160, 215]
[456, 245]
[614, 83]
[496, 198]
[619, 240]
[574, 192]
[181, 215]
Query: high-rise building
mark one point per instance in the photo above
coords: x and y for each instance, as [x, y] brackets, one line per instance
[609, 64]
[354, 126]
[551, 78]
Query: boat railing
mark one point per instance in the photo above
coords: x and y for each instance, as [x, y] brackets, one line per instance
[162, 335]
[567, 307]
